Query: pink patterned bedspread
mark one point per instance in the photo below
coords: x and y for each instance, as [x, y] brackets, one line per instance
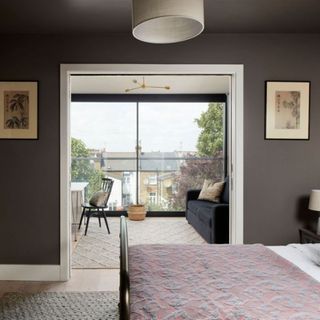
[218, 282]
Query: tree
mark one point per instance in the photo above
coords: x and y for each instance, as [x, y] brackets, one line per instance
[210, 140]
[81, 168]
[192, 175]
[210, 145]
[78, 148]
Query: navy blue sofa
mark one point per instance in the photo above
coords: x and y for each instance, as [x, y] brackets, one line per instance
[210, 219]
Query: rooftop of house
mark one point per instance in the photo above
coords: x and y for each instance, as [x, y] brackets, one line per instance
[149, 161]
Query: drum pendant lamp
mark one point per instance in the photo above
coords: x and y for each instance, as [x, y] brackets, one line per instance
[167, 21]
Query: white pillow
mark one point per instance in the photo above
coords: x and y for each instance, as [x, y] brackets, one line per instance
[99, 199]
[310, 250]
[211, 190]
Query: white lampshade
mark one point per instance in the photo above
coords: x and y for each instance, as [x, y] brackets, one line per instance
[167, 21]
[314, 201]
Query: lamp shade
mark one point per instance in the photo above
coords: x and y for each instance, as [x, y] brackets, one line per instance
[314, 201]
[167, 21]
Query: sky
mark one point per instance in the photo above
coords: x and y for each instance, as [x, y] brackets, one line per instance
[163, 127]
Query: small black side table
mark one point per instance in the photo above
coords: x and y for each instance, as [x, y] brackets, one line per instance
[307, 236]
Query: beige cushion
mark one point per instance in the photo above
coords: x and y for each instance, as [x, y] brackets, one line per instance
[99, 199]
[211, 191]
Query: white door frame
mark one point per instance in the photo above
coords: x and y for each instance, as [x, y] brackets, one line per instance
[235, 145]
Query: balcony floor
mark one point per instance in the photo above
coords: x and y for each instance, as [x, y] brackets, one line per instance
[100, 250]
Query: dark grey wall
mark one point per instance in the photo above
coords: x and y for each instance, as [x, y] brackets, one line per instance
[278, 174]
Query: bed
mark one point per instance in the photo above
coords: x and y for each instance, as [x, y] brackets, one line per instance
[218, 282]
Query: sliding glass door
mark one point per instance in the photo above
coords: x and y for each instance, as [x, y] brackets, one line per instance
[104, 145]
[154, 151]
[181, 144]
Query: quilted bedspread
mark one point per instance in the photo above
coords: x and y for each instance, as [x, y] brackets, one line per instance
[218, 282]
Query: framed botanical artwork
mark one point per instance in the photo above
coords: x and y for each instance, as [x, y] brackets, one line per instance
[18, 109]
[287, 110]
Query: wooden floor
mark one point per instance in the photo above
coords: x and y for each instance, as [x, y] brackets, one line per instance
[81, 280]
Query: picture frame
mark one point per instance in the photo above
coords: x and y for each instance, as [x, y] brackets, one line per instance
[19, 110]
[287, 110]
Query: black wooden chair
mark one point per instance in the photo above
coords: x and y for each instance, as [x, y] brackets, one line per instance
[89, 210]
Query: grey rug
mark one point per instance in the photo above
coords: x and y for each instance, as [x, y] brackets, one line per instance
[101, 250]
[60, 306]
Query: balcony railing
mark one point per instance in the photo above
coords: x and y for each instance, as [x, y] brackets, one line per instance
[161, 182]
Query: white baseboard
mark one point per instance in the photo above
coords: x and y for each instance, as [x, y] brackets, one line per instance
[29, 272]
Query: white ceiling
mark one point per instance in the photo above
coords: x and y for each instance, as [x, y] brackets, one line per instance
[117, 84]
[84, 17]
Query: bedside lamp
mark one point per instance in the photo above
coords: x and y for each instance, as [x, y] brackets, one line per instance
[314, 204]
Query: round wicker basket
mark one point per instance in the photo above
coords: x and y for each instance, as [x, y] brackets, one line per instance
[137, 212]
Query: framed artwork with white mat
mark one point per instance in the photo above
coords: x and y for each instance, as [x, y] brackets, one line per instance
[287, 110]
[19, 110]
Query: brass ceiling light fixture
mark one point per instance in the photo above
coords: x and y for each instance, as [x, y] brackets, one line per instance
[143, 85]
[167, 21]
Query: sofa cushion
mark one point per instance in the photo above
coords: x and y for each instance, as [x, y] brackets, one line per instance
[195, 205]
[211, 190]
[202, 209]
